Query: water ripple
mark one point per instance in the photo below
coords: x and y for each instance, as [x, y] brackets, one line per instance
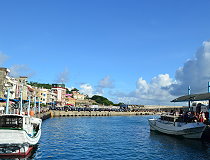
[123, 137]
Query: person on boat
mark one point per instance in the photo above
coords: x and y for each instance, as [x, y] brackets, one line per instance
[198, 108]
[172, 112]
[185, 117]
[207, 116]
[201, 117]
[181, 111]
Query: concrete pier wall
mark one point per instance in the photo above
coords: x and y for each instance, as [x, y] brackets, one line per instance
[44, 115]
[96, 113]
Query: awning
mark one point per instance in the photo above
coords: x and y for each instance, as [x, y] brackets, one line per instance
[3, 100]
[14, 100]
[193, 97]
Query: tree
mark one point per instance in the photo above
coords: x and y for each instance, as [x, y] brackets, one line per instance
[119, 104]
[74, 89]
[40, 85]
[102, 100]
[71, 91]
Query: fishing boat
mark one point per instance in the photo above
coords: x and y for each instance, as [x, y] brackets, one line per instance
[19, 132]
[176, 125]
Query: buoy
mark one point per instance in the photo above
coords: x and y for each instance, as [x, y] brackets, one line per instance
[31, 113]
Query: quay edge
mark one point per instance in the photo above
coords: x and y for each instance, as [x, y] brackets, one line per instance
[96, 113]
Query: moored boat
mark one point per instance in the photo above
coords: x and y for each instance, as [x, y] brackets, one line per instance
[18, 134]
[175, 125]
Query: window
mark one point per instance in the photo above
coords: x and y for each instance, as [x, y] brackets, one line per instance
[11, 122]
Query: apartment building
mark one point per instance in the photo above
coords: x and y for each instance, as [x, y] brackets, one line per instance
[51, 97]
[60, 90]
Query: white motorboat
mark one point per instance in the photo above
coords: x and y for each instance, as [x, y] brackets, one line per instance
[174, 125]
[18, 134]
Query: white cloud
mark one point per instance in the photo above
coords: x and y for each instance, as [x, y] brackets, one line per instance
[162, 89]
[87, 89]
[195, 72]
[106, 82]
[20, 70]
[3, 58]
[155, 92]
[63, 77]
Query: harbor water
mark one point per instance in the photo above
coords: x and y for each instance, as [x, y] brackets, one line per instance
[117, 137]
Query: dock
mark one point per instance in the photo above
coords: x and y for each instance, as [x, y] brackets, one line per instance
[55, 113]
[96, 113]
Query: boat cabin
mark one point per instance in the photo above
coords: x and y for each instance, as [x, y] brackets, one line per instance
[11, 121]
[170, 118]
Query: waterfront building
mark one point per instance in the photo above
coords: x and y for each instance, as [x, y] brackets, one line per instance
[42, 95]
[60, 90]
[69, 100]
[4, 72]
[78, 96]
[51, 97]
[22, 87]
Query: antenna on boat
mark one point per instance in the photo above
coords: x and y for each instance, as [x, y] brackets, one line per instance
[7, 102]
[189, 99]
[209, 90]
[39, 104]
[21, 102]
[189, 90]
[29, 104]
[34, 104]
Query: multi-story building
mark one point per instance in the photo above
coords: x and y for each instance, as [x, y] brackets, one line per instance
[51, 97]
[42, 95]
[78, 96]
[3, 81]
[60, 90]
[21, 87]
[16, 85]
[69, 100]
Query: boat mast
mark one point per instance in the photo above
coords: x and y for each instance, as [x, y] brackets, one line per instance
[39, 105]
[7, 102]
[34, 104]
[189, 99]
[209, 91]
[21, 102]
[29, 104]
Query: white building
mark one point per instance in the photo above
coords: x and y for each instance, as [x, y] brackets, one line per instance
[60, 90]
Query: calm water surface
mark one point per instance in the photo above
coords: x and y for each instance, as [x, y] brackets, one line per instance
[123, 137]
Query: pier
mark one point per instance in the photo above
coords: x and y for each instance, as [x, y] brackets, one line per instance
[96, 113]
[55, 113]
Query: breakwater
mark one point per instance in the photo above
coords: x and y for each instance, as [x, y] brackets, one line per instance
[54, 113]
[96, 113]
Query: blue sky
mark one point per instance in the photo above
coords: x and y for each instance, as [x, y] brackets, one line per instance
[125, 50]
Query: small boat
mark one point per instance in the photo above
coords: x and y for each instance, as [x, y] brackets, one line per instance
[18, 134]
[175, 125]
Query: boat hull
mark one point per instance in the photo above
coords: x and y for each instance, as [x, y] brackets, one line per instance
[187, 130]
[9, 136]
[15, 151]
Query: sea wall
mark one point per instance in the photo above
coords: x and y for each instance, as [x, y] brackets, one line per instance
[96, 113]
